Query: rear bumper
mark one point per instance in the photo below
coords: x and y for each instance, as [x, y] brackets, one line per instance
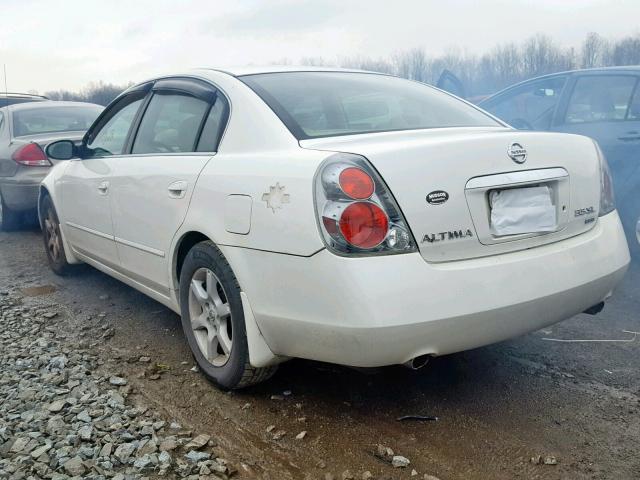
[387, 310]
[19, 195]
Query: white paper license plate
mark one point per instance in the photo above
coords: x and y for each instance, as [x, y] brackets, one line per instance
[517, 211]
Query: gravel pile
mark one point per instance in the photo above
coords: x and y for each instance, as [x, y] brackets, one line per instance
[62, 417]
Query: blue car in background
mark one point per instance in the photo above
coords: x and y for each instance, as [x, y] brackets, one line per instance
[603, 104]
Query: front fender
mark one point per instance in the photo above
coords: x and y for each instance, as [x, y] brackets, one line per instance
[50, 187]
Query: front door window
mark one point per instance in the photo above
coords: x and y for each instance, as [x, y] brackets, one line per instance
[111, 137]
[530, 106]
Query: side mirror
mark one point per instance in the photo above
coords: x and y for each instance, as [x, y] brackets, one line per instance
[61, 150]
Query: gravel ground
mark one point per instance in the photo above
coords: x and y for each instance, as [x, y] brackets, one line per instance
[65, 413]
[528, 408]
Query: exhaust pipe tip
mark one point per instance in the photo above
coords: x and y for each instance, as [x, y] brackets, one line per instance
[417, 363]
[595, 309]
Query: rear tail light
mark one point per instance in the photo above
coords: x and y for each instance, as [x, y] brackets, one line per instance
[31, 155]
[356, 183]
[357, 213]
[364, 224]
[607, 196]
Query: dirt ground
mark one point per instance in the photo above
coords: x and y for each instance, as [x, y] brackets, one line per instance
[497, 407]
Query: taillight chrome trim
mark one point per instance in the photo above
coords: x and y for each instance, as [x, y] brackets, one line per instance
[330, 201]
[607, 192]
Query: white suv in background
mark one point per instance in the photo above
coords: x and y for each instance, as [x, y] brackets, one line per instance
[341, 216]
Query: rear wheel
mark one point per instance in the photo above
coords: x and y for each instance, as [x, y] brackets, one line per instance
[9, 219]
[53, 239]
[213, 319]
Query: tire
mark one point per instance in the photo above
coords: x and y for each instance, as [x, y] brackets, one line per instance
[53, 245]
[213, 319]
[10, 220]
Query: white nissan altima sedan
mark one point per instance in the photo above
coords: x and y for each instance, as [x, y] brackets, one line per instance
[340, 216]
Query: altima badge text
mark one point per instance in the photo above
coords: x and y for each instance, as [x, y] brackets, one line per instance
[517, 153]
[276, 197]
[442, 236]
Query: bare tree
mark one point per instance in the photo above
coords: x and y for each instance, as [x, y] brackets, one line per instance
[413, 64]
[593, 50]
[502, 66]
[314, 62]
[507, 64]
[366, 63]
[627, 51]
[541, 56]
[100, 93]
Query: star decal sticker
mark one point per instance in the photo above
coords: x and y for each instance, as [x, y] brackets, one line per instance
[276, 197]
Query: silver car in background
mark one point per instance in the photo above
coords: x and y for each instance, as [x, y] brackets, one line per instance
[25, 131]
[12, 98]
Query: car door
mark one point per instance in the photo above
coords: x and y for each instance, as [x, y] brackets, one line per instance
[85, 185]
[600, 106]
[151, 188]
[449, 82]
[606, 107]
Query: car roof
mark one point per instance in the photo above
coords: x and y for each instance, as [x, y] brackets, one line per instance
[591, 71]
[603, 70]
[22, 95]
[49, 104]
[238, 71]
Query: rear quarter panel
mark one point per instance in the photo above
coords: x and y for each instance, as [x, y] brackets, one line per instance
[260, 160]
[281, 214]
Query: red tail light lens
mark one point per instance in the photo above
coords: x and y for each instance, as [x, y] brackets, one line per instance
[356, 183]
[364, 225]
[31, 155]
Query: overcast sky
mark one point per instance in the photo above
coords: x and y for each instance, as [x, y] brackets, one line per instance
[49, 45]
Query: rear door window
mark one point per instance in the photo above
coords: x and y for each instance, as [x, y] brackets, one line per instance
[214, 126]
[602, 98]
[634, 108]
[170, 124]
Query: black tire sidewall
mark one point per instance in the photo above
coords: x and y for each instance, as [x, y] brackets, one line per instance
[206, 255]
[59, 266]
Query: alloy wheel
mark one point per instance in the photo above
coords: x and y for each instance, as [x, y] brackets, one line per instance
[52, 232]
[210, 317]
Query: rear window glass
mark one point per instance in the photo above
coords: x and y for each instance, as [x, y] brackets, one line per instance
[53, 119]
[323, 104]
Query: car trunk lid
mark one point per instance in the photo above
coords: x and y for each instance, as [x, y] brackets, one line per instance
[448, 181]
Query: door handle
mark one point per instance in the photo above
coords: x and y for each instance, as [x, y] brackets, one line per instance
[178, 189]
[631, 136]
[103, 188]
